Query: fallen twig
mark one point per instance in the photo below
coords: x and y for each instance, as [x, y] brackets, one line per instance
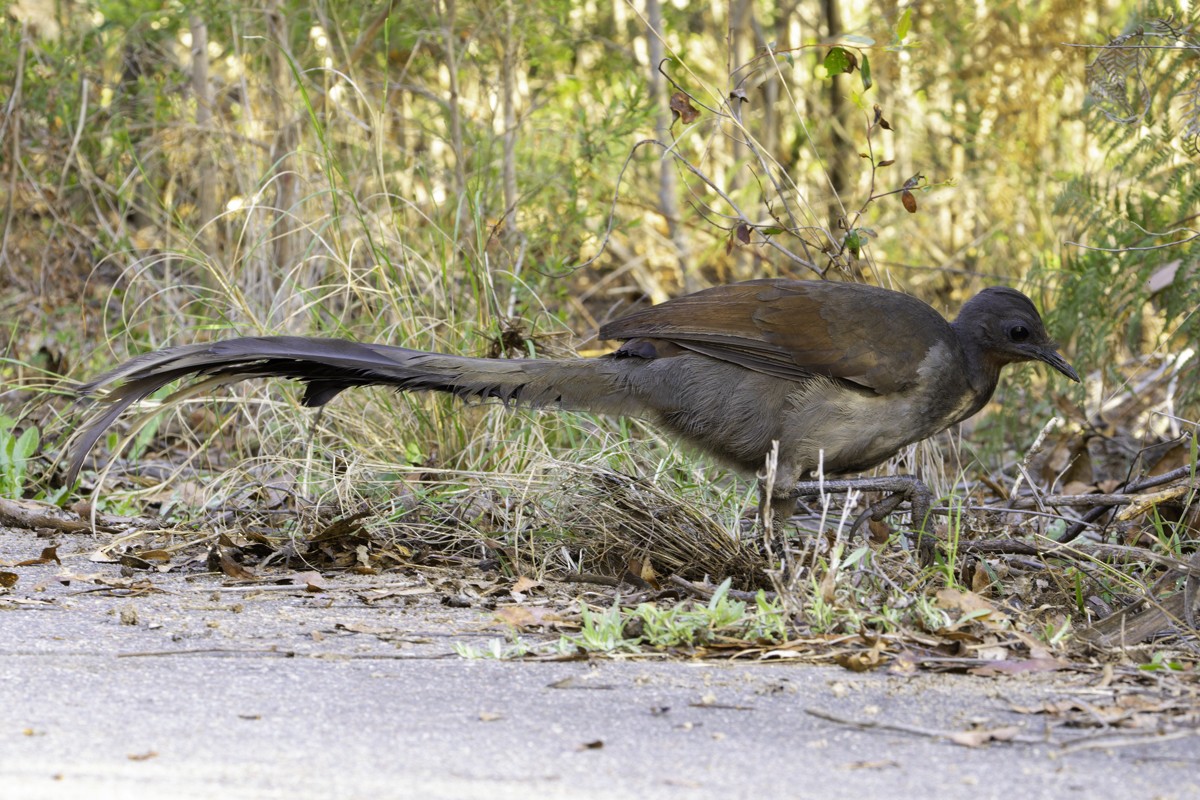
[964, 738]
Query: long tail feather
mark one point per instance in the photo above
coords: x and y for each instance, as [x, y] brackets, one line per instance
[328, 366]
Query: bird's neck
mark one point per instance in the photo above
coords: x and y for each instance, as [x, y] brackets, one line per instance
[981, 373]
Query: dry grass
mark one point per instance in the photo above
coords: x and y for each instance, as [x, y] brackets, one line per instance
[332, 213]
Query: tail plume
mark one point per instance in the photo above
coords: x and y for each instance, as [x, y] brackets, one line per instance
[327, 366]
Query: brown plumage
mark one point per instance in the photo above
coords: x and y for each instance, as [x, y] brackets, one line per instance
[854, 372]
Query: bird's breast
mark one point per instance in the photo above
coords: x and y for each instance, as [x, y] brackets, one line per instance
[851, 429]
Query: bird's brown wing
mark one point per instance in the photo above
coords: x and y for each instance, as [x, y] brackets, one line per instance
[873, 337]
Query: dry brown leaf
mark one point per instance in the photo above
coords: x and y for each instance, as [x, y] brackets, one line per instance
[1052, 707]
[312, 581]
[524, 583]
[880, 531]
[1020, 667]
[883, 764]
[232, 568]
[980, 580]
[682, 108]
[982, 737]
[862, 661]
[968, 604]
[48, 554]
[992, 652]
[362, 627]
[524, 617]
[382, 594]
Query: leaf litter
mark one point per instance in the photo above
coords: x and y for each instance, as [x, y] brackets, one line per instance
[1098, 578]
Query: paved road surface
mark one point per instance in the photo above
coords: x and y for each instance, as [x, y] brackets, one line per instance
[192, 691]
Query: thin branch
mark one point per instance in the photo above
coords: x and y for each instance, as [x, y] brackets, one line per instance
[1191, 238]
[739, 215]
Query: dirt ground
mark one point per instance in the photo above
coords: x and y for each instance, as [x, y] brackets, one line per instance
[190, 685]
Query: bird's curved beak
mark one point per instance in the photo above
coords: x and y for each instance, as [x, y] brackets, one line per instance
[1050, 356]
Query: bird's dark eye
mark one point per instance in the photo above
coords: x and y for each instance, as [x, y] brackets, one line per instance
[1018, 333]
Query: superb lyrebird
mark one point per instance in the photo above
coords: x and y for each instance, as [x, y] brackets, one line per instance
[842, 375]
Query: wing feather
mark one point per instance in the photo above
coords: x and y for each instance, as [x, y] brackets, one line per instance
[872, 337]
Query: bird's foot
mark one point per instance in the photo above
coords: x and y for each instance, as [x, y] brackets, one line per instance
[901, 488]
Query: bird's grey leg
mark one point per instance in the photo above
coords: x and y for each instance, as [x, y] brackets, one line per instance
[902, 487]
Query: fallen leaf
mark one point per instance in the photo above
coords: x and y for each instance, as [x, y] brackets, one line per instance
[880, 531]
[232, 568]
[360, 627]
[968, 605]
[382, 594]
[523, 584]
[1028, 665]
[992, 652]
[980, 579]
[133, 562]
[312, 581]
[526, 617]
[579, 682]
[1052, 707]
[48, 554]
[862, 661]
[982, 737]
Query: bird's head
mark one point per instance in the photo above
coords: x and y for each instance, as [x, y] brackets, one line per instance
[1006, 328]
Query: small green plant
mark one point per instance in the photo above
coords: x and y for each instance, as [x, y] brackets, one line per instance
[684, 625]
[821, 615]
[494, 650]
[769, 622]
[15, 452]
[1056, 634]
[619, 629]
[954, 528]
[601, 632]
[931, 616]
[1161, 661]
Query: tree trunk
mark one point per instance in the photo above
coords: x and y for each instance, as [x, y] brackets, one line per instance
[206, 187]
[839, 144]
[668, 195]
